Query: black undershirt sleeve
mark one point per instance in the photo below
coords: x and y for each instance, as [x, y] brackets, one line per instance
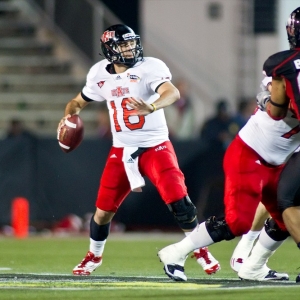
[159, 86]
[86, 98]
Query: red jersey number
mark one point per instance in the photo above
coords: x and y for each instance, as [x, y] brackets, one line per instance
[128, 124]
[293, 131]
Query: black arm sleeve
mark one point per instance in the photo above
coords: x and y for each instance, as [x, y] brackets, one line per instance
[159, 86]
[86, 98]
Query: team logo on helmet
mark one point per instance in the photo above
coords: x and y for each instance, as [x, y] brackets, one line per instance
[107, 35]
[128, 36]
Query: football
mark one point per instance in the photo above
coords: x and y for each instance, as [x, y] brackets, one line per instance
[71, 134]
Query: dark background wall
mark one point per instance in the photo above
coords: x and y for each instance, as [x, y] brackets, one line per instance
[127, 11]
[75, 19]
[57, 184]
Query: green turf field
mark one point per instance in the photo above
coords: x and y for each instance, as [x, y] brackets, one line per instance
[40, 268]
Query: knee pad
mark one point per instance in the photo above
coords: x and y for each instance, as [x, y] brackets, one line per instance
[218, 229]
[274, 232]
[185, 213]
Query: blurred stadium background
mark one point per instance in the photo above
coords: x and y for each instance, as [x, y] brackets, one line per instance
[46, 49]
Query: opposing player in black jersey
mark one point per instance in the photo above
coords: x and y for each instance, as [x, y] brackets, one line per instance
[284, 67]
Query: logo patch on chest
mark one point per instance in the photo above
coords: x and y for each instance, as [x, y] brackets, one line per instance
[133, 78]
[120, 91]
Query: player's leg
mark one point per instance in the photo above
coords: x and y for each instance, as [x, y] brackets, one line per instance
[202, 255]
[161, 167]
[245, 245]
[114, 187]
[271, 237]
[213, 230]
[98, 236]
[240, 208]
[255, 266]
[288, 196]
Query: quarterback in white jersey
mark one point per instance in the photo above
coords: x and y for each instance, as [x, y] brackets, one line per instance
[136, 90]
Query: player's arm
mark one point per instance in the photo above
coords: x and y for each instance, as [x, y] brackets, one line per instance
[277, 107]
[168, 94]
[263, 97]
[73, 107]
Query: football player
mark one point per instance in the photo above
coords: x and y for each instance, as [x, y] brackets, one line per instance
[284, 67]
[252, 165]
[246, 243]
[136, 89]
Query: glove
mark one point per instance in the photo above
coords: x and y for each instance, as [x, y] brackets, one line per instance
[262, 98]
[265, 82]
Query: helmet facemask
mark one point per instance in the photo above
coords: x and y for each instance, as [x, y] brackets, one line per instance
[127, 52]
[293, 29]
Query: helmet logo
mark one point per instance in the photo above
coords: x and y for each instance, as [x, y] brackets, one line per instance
[107, 35]
[128, 36]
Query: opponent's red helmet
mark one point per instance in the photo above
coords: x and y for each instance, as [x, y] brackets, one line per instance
[111, 39]
[293, 29]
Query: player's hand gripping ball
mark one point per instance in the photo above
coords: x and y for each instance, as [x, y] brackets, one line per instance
[70, 134]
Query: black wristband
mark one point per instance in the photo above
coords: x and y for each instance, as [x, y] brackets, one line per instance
[279, 105]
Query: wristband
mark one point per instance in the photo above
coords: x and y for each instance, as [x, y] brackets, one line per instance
[279, 105]
[154, 107]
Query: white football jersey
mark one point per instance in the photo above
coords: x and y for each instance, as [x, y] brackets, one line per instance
[139, 82]
[275, 141]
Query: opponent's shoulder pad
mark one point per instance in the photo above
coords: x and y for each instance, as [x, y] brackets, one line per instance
[272, 64]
